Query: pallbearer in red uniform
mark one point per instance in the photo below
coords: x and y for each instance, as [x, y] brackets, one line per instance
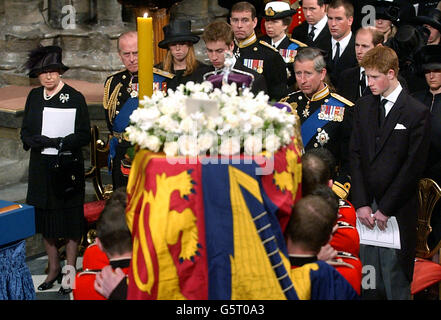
[113, 246]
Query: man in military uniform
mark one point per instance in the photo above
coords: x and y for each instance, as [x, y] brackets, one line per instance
[118, 88]
[277, 20]
[325, 117]
[257, 55]
[219, 41]
[121, 98]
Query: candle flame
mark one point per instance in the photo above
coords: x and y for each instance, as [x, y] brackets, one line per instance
[146, 14]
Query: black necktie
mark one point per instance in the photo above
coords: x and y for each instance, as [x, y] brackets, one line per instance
[311, 34]
[362, 83]
[382, 112]
[337, 53]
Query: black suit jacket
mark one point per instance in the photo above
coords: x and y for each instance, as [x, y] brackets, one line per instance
[274, 68]
[387, 163]
[348, 84]
[347, 60]
[323, 40]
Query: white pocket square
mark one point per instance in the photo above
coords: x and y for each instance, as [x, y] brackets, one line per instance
[399, 126]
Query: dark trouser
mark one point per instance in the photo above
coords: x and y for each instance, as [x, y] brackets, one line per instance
[118, 179]
[391, 282]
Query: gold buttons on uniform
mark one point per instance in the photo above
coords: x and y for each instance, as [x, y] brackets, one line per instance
[319, 129]
[255, 48]
[124, 76]
[315, 145]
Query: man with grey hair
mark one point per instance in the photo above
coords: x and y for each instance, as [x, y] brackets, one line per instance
[325, 117]
[121, 92]
[118, 88]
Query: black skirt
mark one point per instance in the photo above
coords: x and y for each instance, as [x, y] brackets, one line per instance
[66, 223]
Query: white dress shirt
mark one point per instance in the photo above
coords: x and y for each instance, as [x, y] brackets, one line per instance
[343, 44]
[276, 44]
[391, 98]
[318, 26]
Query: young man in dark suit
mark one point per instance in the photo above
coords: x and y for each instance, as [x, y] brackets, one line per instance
[353, 81]
[219, 40]
[342, 56]
[315, 32]
[388, 152]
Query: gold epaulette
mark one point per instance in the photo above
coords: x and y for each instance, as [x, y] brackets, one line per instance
[342, 99]
[106, 92]
[163, 73]
[301, 44]
[284, 99]
[266, 44]
[341, 190]
[110, 99]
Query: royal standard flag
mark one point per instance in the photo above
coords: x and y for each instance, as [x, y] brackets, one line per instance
[208, 228]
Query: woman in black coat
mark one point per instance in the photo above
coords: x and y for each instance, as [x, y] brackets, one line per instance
[57, 214]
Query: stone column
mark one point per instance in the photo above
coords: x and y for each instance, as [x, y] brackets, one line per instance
[59, 9]
[109, 13]
[215, 10]
[194, 10]
[23, 12]
[2, 8]
[20, 33]
[198, 12]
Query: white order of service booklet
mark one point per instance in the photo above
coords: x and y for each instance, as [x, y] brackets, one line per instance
[57, 123]
[389, 238]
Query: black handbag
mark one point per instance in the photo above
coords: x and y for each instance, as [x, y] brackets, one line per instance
[67, 174]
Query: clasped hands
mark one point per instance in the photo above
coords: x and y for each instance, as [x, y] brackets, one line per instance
[364, 214]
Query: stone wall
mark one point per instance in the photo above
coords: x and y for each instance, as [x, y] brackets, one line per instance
[87, 31]
[87, 36]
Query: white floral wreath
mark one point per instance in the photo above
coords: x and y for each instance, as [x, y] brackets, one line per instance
[197, 120]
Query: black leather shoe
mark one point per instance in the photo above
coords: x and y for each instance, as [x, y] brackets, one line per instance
[64, 291]
[49, 284]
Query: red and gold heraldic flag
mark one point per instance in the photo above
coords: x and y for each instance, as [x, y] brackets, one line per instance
[211, 228]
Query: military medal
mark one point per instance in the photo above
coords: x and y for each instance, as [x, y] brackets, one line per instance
[322, 138]
[305, 112]
[331, 113]
[256, 65]
[338, 114]
[288, 55]
[135, 89]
